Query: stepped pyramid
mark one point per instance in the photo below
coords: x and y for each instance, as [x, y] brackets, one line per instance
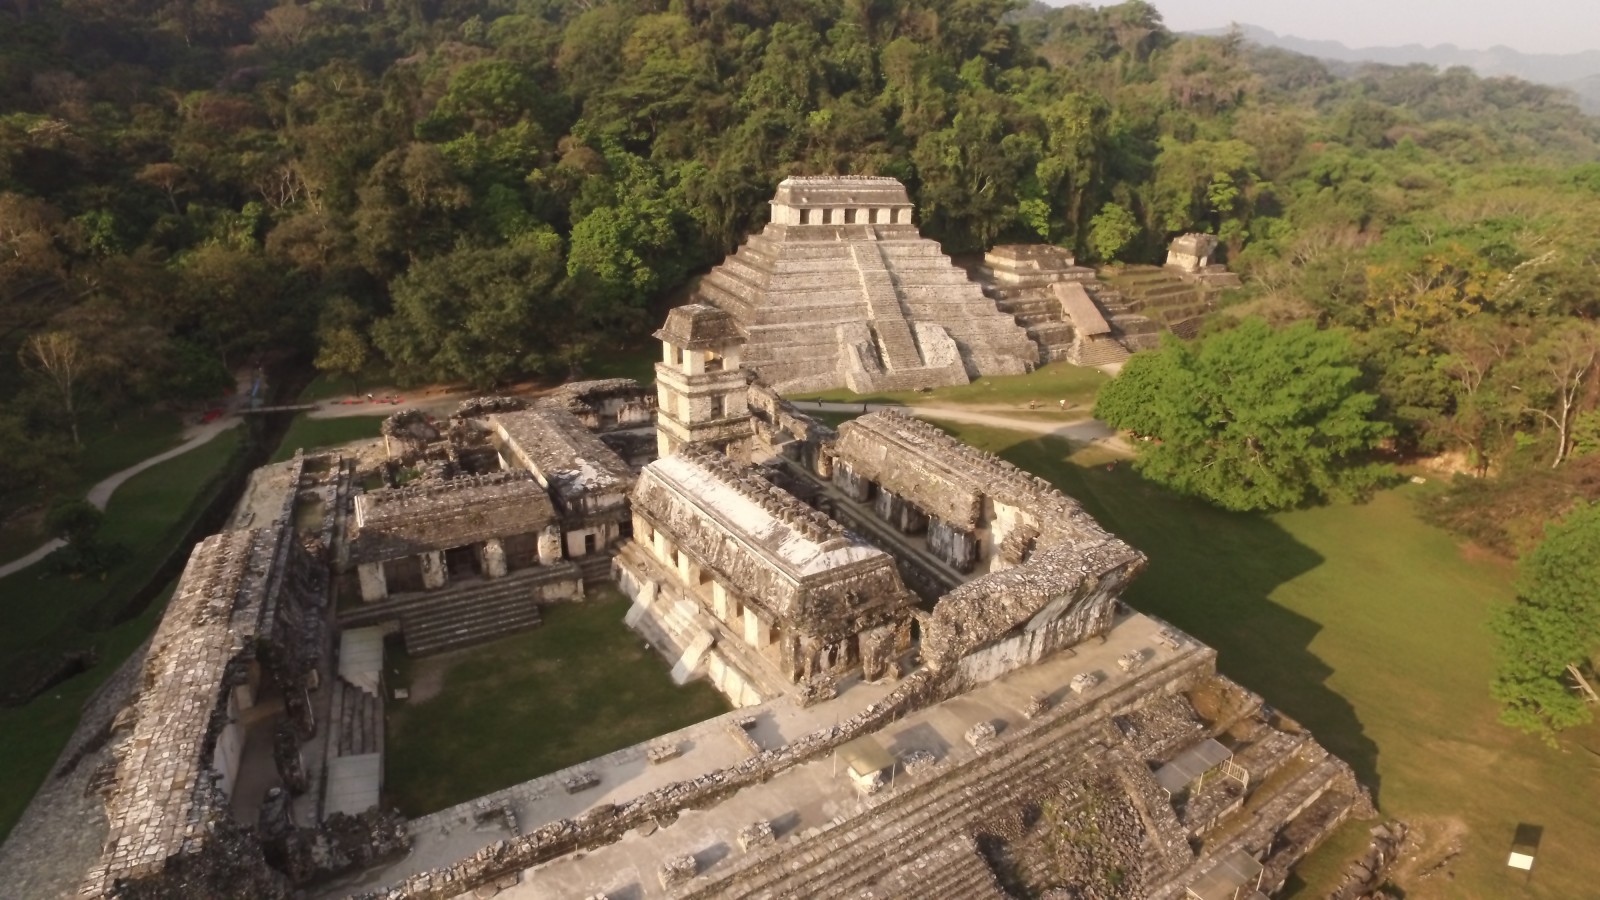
[840, 289]
[1065, 309]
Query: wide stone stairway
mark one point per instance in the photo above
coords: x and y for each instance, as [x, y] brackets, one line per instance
[458, 616]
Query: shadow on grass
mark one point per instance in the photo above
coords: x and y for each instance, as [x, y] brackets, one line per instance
[1212, 573]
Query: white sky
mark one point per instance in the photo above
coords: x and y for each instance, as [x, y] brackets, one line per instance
[1532, 26]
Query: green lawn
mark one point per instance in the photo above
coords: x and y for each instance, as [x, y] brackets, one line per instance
[43, 615]
[311, 434]
[638, 363]
[579, 686]
[1367, 625]
[1046, 385]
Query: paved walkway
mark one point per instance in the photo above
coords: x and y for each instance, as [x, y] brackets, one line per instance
[101, 493]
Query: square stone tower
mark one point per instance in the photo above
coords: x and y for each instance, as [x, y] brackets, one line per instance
[701, 389]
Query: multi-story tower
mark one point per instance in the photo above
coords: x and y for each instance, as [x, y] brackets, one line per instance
[700, 386]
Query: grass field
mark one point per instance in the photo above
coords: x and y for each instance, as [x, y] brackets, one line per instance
[42, 615]
[1046, 385]
[1367, 625]
[107, 448]
[579, 686]
[310, 434]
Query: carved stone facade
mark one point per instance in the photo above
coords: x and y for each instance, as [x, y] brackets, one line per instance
[840, 290]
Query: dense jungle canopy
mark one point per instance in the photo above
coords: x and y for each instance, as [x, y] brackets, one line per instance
[482, 190]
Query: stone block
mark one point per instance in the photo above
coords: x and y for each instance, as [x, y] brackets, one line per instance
[677, 871]
[980, 734]
[579, 781]
[1036, 706]
[756, 835]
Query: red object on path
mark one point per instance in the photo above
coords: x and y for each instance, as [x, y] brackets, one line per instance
[211, 415]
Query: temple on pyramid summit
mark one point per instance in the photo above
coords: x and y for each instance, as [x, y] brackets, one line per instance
[840, 290]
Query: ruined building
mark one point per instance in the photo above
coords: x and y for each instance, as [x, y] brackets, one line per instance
[840, 290]
[937, 689]
[1066, 310]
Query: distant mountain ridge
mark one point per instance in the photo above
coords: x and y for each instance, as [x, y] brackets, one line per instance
[1576, 72]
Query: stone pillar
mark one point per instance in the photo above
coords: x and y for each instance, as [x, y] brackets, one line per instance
[374, 584]
[664, 444]
[494, 558]
[877, 651]
[434, 571]
[719, 600]
[550, 545]
[755, 631]
[854, 486]
[900, 513]
[666, 551]
[955, 546]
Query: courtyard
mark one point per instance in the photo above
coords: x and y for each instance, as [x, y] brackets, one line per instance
[579, 686]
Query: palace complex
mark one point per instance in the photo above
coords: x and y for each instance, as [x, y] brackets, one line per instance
[935, 690]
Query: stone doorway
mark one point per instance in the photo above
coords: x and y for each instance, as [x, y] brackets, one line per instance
[462, 562]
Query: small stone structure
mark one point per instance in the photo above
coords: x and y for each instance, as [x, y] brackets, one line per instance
[587, 479]
[1189, 256]
[417, 537]
[609, 404]
[840, 290]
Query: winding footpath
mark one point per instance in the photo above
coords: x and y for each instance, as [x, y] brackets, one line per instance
[101, 493]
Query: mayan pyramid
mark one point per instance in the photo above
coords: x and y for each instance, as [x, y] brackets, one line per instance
[840, 290]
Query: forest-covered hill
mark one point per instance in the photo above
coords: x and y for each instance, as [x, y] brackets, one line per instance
[486, 189]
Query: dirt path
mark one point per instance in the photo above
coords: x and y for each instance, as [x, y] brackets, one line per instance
[100, 494]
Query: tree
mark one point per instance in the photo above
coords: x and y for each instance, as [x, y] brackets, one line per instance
[1111, 231]
[1554, 625]
[1251, 418]
[1558, 366]
[480, 315]
[59, 358]
[74, 521]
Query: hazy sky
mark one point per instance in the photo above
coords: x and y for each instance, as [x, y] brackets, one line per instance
[1532, 26]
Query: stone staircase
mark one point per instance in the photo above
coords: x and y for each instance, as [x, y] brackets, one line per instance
[596, 568]
[1100, 352]
[472, 613]
[896, 344]
[359, 718]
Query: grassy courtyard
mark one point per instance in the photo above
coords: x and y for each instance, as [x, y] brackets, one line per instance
[43, 615]
[313, 434]
[579, 686]
[1046, 385]
[1367, 625]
